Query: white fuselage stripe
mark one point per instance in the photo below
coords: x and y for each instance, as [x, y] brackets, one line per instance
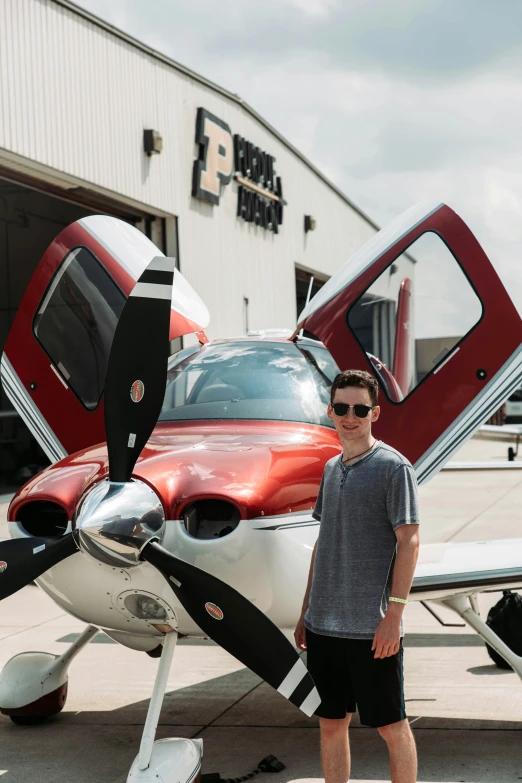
[463, 427]
[30, 414]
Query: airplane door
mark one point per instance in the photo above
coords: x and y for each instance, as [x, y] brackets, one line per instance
[55, 358]
[459, 337]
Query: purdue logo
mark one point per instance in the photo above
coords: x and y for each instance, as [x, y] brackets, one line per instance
[221, 157]
[215, 160]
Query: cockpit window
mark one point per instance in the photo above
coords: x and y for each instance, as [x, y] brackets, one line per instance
[76, 320]
[414, 315]
[250, 380]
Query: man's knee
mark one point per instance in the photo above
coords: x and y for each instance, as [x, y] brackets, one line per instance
[395, 731]
[332, 726]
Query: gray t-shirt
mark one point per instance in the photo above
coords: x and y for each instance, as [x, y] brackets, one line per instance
[359, 507]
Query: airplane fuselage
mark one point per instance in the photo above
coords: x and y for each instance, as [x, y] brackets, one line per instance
[268, 473]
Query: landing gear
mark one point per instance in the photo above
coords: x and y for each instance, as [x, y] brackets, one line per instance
[167, 759]
[33, 685]
[41, 709]
[513, 452]
[467, 608]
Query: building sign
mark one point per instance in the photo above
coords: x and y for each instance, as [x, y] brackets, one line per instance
[215, 160]
[221, 156]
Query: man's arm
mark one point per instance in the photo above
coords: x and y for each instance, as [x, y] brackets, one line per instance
[387, 637]
[299, 633]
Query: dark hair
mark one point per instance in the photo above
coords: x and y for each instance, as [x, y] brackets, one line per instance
[358, 378]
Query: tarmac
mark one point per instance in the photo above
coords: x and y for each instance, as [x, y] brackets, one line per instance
[466, 713]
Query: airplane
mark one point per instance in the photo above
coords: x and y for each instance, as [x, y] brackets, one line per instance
[180, 495]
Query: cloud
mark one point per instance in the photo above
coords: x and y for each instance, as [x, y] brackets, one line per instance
[440, 40]
[394, 101]
[313, 8]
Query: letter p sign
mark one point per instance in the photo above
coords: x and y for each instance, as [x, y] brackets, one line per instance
[215, 160]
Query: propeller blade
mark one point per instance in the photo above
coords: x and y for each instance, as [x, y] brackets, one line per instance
[137, 367]
[238, 626]
[25, 559]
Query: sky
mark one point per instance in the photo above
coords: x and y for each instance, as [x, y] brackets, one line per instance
[396, 101]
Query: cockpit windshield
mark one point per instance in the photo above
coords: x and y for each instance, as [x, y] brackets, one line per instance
[250, 380]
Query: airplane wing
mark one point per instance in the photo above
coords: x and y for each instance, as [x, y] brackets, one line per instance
[55, 358]
[452, 568]
[503, 432]
[453, 573]
[464, 330]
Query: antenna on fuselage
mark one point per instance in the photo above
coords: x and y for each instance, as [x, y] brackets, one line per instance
[308, 297]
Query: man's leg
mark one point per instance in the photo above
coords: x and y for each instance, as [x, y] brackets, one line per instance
[335, 749]
[403, 754]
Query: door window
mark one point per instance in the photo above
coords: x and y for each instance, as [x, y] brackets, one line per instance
[76, 320]
[414, 315]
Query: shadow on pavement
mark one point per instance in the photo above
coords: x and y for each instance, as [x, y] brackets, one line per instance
[244, 720]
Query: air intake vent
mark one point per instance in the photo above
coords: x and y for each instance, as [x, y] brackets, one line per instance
[210, 518]
[43, 518]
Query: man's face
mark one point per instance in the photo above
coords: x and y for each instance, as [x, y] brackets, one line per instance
[349, 427]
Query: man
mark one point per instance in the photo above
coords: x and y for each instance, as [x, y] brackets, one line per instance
[360, 576]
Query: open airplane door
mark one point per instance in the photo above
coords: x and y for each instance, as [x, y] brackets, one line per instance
[55, 358]
[451, 328]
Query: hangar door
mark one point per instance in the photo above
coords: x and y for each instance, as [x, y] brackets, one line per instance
[30, 219]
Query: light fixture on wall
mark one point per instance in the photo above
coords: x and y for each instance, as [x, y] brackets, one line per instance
[152, 142]
[309, 223]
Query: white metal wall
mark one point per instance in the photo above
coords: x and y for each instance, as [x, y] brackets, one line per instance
[75, 97]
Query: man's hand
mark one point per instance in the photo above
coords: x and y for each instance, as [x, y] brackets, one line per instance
[300, 634]
[387, 637]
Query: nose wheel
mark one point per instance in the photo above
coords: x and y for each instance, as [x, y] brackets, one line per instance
[41, 709]
[33, 685]
[168, 759]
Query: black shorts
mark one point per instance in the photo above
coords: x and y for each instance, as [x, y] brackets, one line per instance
[349, 677]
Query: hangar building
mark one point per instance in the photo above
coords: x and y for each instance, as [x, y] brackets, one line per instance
[93, 121]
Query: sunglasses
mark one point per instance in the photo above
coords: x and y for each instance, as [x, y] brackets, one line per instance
[361, 411]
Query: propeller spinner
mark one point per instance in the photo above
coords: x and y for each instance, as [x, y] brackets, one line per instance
[120, 522]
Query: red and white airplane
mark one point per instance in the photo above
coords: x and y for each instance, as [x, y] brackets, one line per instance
[194, 517]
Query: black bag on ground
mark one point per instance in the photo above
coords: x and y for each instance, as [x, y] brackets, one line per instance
[505, 618]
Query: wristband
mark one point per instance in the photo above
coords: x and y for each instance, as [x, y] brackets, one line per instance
[398, 600]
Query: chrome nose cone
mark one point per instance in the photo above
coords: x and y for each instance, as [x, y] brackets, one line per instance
[115, 521]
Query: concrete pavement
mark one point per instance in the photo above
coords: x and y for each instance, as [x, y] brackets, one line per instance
[466, 714]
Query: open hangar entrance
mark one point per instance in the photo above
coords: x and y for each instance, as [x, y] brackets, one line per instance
[32, 213]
